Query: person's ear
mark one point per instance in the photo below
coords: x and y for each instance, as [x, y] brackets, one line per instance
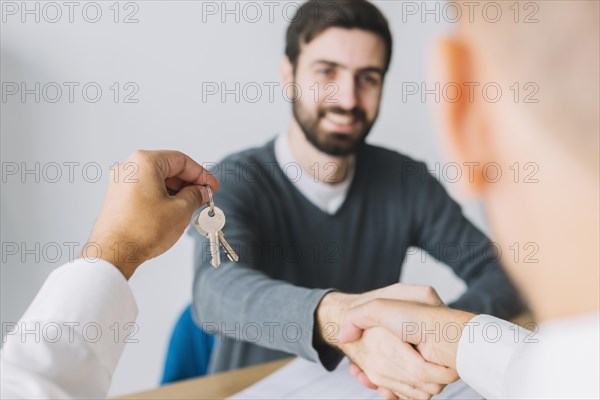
[463, 122]
[286, 71]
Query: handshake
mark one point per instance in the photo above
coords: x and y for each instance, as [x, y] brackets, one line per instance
[401, 340]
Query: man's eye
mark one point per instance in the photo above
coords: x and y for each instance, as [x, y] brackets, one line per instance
[369, 80]
[326, 72]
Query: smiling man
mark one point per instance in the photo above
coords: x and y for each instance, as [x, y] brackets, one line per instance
[316, 213]
[351, 84]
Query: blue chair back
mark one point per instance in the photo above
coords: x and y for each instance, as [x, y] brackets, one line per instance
[189, 350]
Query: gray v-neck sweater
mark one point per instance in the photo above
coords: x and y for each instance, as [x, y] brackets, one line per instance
[292, 253]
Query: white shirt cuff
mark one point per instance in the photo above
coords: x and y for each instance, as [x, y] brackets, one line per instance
[484, 352]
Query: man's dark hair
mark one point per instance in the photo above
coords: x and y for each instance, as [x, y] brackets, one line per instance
[315, 16]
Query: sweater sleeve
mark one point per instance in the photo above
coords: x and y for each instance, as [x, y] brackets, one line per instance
[443, 231]
[241, 301]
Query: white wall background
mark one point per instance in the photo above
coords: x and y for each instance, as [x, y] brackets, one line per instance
[169, 53]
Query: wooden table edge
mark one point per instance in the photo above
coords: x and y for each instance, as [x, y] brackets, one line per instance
[217, 386]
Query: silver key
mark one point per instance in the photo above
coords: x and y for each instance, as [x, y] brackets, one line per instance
[231, 254]
[210, 223]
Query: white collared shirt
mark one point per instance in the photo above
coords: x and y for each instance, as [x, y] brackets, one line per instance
[70, 339]
[559, 360]
[327, 197]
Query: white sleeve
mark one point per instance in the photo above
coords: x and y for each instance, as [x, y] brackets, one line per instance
[68, 342]
[561, 361]
[485, 350]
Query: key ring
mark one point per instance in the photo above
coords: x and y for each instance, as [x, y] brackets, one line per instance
[211, 202]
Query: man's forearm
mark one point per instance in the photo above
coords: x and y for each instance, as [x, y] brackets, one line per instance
[237, 301]
[329, 317]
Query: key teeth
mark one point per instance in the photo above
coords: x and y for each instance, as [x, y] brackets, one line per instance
[231, 254]
[216, 259]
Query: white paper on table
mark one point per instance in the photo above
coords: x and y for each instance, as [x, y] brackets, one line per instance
[301, 379]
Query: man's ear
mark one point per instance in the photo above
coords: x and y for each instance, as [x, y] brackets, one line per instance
[461, 115]
[286, 71]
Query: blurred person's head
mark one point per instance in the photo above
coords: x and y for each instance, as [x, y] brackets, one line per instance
[544, 209]
[337, 55]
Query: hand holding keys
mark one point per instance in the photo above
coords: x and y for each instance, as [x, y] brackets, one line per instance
[210, 223]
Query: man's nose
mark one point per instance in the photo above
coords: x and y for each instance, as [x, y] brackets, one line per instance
[346, 94]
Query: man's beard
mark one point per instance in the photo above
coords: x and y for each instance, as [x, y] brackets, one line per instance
[332, 143]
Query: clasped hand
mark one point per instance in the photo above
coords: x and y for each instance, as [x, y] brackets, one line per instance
[393, 337]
